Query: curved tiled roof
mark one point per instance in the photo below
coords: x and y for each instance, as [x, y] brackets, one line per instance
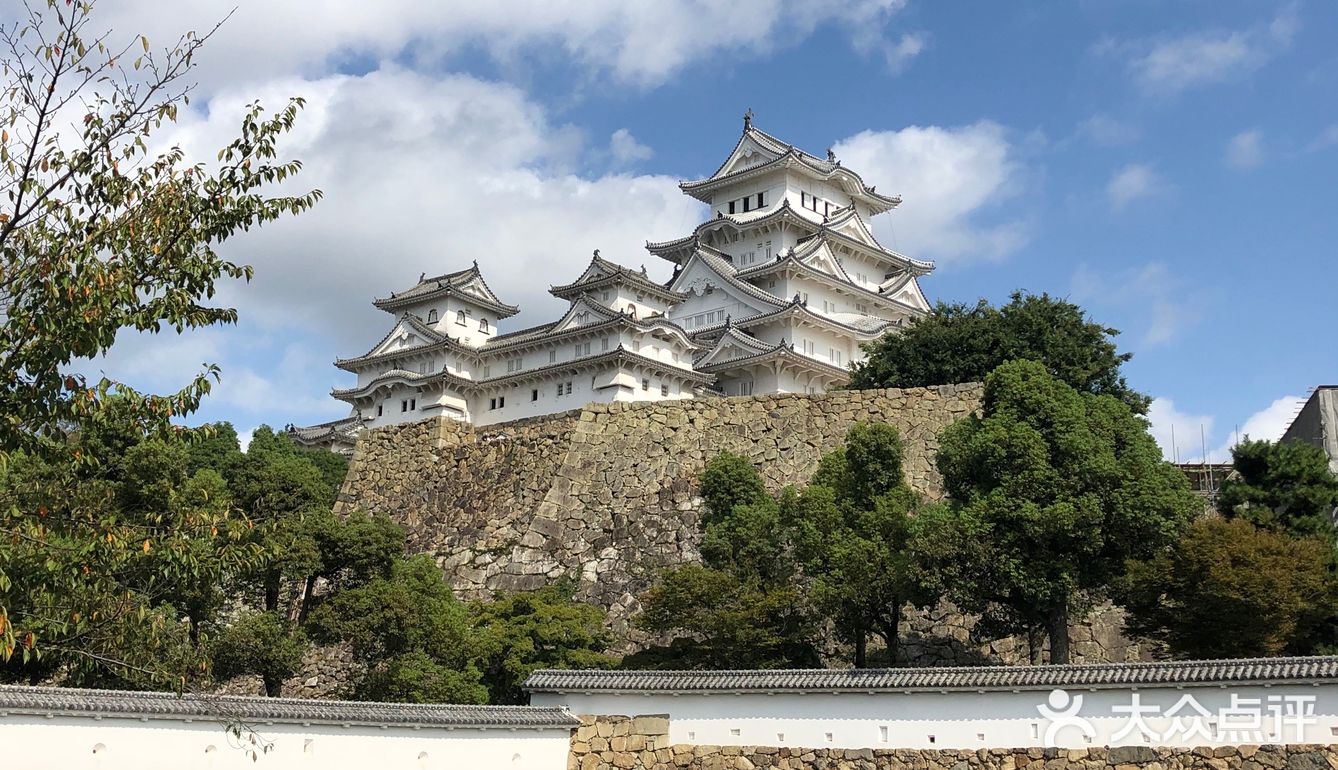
[448, 283]
[164, 705]
[785, 153]
[613, 272]
[1174, 673]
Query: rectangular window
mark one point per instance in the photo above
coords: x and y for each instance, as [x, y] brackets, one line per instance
[487, 371]
[836, 356]
[803, 199]
[404, 405]
[606, 296]
[604, 344]
[760, 199]
[803, 297]
[636, 346]
[413, 404]
[552, 356]
[645, 384]
[664, 390]
[746, 202]
[731, 207]
[826, 208]
[768, 252]
[808, 347]
[569, 387]
[501, 402]
[492, 403]
[380, 410]
[534, 394]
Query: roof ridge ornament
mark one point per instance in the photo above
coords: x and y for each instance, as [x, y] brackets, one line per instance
[748, 119]
[831, 155]
[596, 253]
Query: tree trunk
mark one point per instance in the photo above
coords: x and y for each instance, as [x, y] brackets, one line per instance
[861, 649]
[273, 686]
[1035, 644]
[1059, 634]
[272, 592]
[306, 600]
[892, 633]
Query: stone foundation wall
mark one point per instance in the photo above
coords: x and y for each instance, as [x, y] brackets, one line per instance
[608, 496]
[642, 743]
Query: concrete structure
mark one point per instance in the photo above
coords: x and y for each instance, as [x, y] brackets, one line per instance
[71, 729]
[776, 293]
[1317, 423]
[1178, 704]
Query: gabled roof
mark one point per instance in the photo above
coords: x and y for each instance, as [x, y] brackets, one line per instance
[609, 319]
[778, 155]
[618, 355]
[855, 324]
[785, 353]
[51, 701]
[800, 261]
[1307, 670]
[601, 273]
[582, 305]
[784, 213]
[718, 264]
[732, 340]
[849, 228]
[434, 340]
[401, 376]
[466, 284]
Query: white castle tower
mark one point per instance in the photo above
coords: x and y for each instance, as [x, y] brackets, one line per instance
[775, 293]
[785, 281]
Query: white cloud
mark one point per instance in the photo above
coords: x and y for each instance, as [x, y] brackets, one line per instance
[1246, 149]
[633, 43]
[1133, 182]
[1327, 138]
[419, 174]
[897, 55]
[626, 149]
[1172, 65]
[1108, 131]
[1179, 434]
[953, 178]
[1166, 308]
[1191, 430]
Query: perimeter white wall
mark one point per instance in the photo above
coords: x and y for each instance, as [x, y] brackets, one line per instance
[75, 743]
[947, 720]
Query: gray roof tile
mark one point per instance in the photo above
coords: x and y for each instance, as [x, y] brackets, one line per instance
[1173, 673]
[163, 705]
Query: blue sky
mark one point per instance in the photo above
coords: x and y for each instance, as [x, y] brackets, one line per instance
[1172, 167]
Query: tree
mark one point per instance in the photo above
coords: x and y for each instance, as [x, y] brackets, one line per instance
[852, 529]
[410, 632]
[1062, 488]
[260, 643]
[743, 606]
[98, 236]
[963, 343]
[1284, 486]
[520, 632]
[1229, 589]
[733, 623]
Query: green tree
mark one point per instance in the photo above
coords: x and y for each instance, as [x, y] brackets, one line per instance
[1284, 486]
[852, 528]
[1229, 589]
[260, 643]
[1063, 487]
[410, 632]
[98, 236]
[519, 632]
[743, 606]
[964, 343]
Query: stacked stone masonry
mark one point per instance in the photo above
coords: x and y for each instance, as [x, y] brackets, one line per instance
[642, 743]
[608, 494]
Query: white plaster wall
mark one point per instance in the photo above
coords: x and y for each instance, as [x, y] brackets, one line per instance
[67, 743]
[943, 720]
